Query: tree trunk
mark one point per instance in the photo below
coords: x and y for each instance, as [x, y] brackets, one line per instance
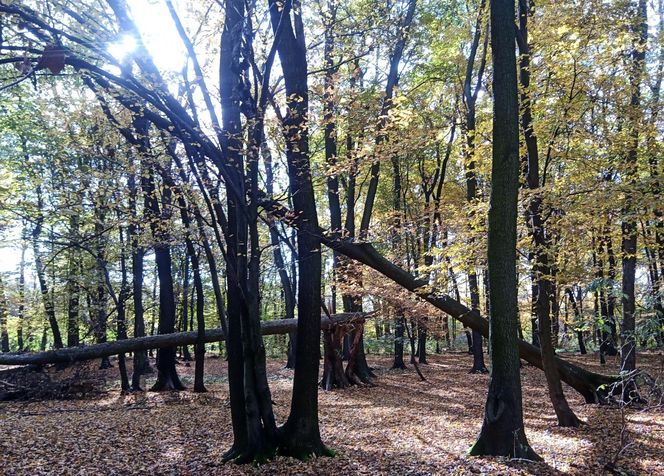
[121, 311]
[421, 342]
[73, 287]
[541, 270]
[399, 332]
[167, 377]
[503, 432]
[49, 306]
[4, 312]
[21, 301]
[141, 363]
[160, 341]
[470, 93]
[629, 230]
[300, 435]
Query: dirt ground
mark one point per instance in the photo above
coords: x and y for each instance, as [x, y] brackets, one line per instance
[402, 426]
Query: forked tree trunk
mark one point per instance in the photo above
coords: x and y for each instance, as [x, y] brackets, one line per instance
[300, 435]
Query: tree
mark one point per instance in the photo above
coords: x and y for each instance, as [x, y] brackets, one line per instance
[629, 230]
[503, 432]
[542, 288]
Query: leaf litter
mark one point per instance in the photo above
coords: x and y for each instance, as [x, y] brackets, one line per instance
[402, 426]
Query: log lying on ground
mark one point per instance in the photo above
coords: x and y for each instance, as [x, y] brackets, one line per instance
[594, 387]
[73, 354]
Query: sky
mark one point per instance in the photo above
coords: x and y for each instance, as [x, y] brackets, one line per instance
[158, 32]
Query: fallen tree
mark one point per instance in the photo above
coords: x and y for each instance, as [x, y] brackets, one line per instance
[74, 354]
[593, 386]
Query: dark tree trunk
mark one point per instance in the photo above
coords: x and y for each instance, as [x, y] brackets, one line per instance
[254, 427]
[629, 230]
[422, 342]
[236, 236]
[541, 270]
[399, 332]
[412, 337]
[167, 377]
[300, 435]
[503, 432]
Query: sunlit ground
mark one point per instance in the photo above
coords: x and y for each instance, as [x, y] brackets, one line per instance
[401, 426]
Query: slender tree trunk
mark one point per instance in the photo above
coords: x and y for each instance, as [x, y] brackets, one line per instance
[4, 312]
[121, 310]
[47, 300]
[470, 93]
[73, 288]
[21, 301]
[279, 262]
[629, 230]
[541, 269]
[140, 358]
[184, 305]
[422, 341]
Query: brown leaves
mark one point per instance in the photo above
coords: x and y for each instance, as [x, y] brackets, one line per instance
[402, 426]
[53, 58]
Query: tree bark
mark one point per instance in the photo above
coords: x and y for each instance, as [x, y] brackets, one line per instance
[503, 432]
[300, 435]
[629, 229]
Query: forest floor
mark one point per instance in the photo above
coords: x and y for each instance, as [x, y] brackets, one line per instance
[401, 426]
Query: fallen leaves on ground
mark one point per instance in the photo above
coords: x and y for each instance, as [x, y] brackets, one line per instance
[402, 426]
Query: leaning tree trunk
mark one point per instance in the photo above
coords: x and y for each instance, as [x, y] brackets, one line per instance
[541, 269]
